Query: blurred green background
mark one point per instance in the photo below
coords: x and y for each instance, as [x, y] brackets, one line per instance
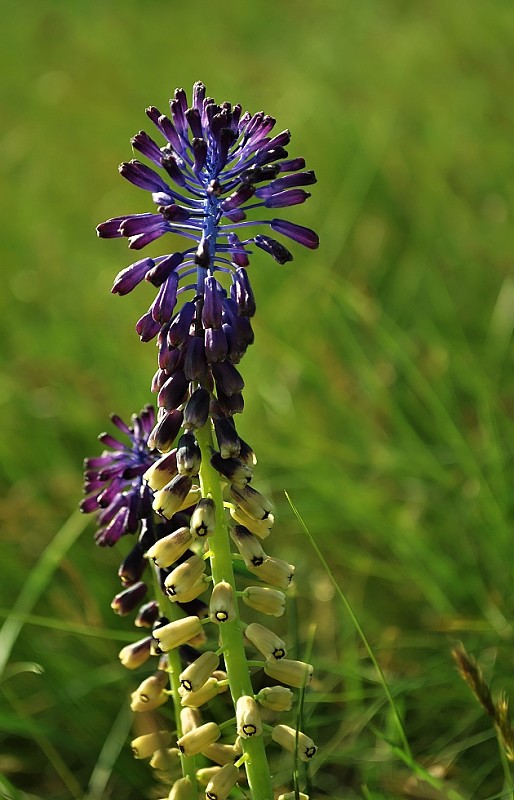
[379, 392]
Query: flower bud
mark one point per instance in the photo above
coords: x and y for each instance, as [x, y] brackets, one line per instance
[190, 718]
[233, 469]
[166, 759]
[196, 411]
[276, 698]
[249, 546]
[292, 673]
[176, 633]
[134, 655]
[183, 577]
[182, 789]
[266, 642]
[203, 518]
[150, 693]
[166, 431]
[251, 501]
[260, 528]
[203, 776]
[125, 602]
[169, 549]
[145, 746]
[293, 740]
[162, 471]
[203, 695]
[195, 590]
[196, 740]
[248, 718]
[170, 499]
[221, 784]
[132, 566]
[228, 440]
[147, 615]
[189, 456]
[222, 607]
[274, 571]
[196, 674]
[267, 601]
[222, 753]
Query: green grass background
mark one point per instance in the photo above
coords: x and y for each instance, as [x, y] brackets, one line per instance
[379, 391]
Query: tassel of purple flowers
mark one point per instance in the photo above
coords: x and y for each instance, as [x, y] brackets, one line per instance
[181, 483]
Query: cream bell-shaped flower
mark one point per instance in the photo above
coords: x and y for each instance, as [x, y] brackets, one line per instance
[150, 693]
[169, 500]
[203, 695]
[198, 587]
[222, 607]
[190, 718]
[222, 783]
[267, 601]
[292, 673]
[293, 740]
[182, 789]
[261, 528]
[248, 718]
[196, 674]
[167, 550]
[203, 518]
[248, 545]
[265, 641]
[162, 471]
[204, 775]
[251, 501]
[145, 746]
[276, 698]
[274, 571]
[182, 578]
[222, 753]
[166, 759]
[176, 633]
[196, 740]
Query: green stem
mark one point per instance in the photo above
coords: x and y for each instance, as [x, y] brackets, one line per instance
[231, 638]
[170, 610]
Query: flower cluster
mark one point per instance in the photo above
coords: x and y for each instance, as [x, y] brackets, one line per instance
[183, 483]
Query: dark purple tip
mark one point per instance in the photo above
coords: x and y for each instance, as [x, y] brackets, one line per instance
[280, 253]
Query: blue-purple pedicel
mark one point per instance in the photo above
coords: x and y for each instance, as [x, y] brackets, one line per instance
[219, 164]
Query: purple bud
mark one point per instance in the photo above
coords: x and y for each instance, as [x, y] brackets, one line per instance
[173, 392]
[179, 329]
[169, 162]
[291, 197]
[216, 347]
[147, 327]
[238, 197]
[212, 304]
[287, 182]
[280, 253]
[200, 149]
[166, 430]
[238, 254]
[126, 601]
[195, 363]
[166, 300]
[146, 145]
[196, 411]
[241, 292]
[147, 615]
[169, 357]
[164, 268]
[159, 379]
[292, 165]
[228, 380]
[228, 440]
[132, 566]
[142, 176]
[297, 232]
[131, 276]
[195, 124]
[230, 404]
[259, 174]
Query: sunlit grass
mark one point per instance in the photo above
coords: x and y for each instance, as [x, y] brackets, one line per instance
[379, 391]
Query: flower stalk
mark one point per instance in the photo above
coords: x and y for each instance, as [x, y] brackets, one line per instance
[231, 636]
